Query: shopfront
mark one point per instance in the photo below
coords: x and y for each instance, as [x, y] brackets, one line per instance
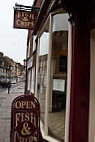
[64, 82]
[61, 69]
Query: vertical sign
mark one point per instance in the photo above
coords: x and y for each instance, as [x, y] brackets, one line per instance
[25, 123]
[24, 19]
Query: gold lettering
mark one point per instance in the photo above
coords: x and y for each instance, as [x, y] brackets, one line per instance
[27, 104]
[21, 139]
[25, 130]
[23, 104]
[22, 14]
[33, 16]
[35, 139]
[32, 117]
[22, 117]
[31, 139]
[32, 23]
[24, 23]
[30, 16]
[27, 116]
[18, 105]
[18, 22]
[16, 136]
[25, 18]
[17, 118]
[34, 120]
[18, 16]
[32, 105]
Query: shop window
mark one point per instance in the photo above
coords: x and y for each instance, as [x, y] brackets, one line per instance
[42, 75]
[55, 101]
[63, 63]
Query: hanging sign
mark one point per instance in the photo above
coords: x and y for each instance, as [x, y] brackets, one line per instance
[24, 19]
[25, 122]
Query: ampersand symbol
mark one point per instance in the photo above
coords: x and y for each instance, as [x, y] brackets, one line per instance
[25, 130]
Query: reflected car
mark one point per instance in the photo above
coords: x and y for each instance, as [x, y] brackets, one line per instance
[5, 82]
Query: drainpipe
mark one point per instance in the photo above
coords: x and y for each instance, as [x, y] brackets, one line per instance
[26, 64]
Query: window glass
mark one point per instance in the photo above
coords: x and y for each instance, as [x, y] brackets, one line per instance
[33, 80]
[34, 43]
[28, 50]
[42, 71]
[58, 82]
[29, 77]
[58, 79]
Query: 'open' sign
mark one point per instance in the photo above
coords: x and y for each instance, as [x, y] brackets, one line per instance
[25, 123]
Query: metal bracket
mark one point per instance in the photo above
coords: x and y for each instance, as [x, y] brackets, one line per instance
[25, 8]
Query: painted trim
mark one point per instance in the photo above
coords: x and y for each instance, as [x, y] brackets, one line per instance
[48, 138]
[48, 76]
[37, 67]
[67, 125]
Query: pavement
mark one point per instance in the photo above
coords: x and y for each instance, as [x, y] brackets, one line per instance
[5, 110]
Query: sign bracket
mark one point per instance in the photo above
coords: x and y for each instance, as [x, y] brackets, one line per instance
[25, 8]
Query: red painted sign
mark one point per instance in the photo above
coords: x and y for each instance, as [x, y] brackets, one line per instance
[25, 123]
[24, 19]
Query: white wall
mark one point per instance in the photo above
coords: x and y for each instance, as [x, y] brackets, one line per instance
[92, 89]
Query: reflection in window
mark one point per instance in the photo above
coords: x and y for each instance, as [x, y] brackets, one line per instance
[63, 63]
[57, 101]
[42, 72]
[58, 77]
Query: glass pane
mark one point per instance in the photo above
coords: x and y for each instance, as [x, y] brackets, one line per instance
[57, 98]
[42, 72]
